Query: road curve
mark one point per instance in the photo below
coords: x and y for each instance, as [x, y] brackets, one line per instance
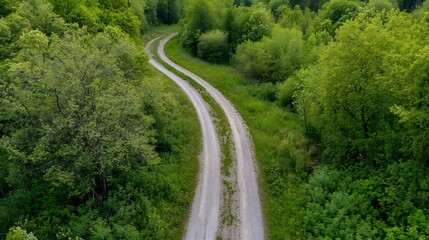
[251, 220]
[204, 218]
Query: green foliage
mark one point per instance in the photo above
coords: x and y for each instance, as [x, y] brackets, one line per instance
[258, 24]
[41, 16]
[285, 96]
[293, 153]
[16, 233]
[133, 16]
[241, 24]
[277, 5]
[380, 5]
[92, 143]
[246, 3]
[11, 28]
[362, 118]
[362, 203]
[168, 11]
[336, 12]
[8, 7]
[358, 78]
[126, 20]
[273, 59]
[296, 18]
[265, 91]
[213, 46]
[254, 61]
[199, 18]
[354, 99]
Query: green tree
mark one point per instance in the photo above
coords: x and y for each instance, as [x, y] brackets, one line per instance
[213, 46]
[336, 12]
[41, 16]
[285, 95]
[8, 7]
[297, 18]
[413, 109]
[348, 94]
[11, 28]
[380, 5]
[88, 123]
[272, 59]
[168, 11]
[16, 233]
[259, 24]
[199, 18]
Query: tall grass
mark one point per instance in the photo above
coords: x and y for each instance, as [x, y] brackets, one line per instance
[273, 130]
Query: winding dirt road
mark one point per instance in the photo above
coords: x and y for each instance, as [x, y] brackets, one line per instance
[204, 219]
[206, 205]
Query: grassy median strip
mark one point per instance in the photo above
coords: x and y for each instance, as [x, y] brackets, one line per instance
[270, 126]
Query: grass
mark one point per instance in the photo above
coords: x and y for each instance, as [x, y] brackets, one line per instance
[269, 126]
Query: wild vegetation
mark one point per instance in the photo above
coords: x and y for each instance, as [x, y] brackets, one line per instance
[93, 143]
[353, 76]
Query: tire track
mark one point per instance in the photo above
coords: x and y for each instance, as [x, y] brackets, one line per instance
[204, 219]
[250, 218]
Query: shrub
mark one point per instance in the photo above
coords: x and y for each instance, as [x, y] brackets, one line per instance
[258, 25]
[16, 233]
[292, 153]
[213, 46]
[286, 91]
[265, 91]
[272, 59]
[254, 61]
[380, 5]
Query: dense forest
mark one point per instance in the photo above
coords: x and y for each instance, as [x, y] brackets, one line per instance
[92, 141]
[93, 144]
[357, 75]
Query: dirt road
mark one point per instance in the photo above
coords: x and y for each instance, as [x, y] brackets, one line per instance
[204, 219]
[250, 220]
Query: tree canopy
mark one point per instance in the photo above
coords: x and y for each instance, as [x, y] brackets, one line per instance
[86, 146]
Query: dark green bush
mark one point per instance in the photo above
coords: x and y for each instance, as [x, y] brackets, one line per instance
[286, 91]
[213, 46]
[265, 91]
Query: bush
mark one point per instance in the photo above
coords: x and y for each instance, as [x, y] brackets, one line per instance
[272, 59]
[293, 155]
[16, 233]
[265, 91]
[286, 91]
[259, 24]
[189, 39]
[213, 46]
[254, 61]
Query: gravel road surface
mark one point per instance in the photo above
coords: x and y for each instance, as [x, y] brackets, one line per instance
[204, 219]
[250, 217]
